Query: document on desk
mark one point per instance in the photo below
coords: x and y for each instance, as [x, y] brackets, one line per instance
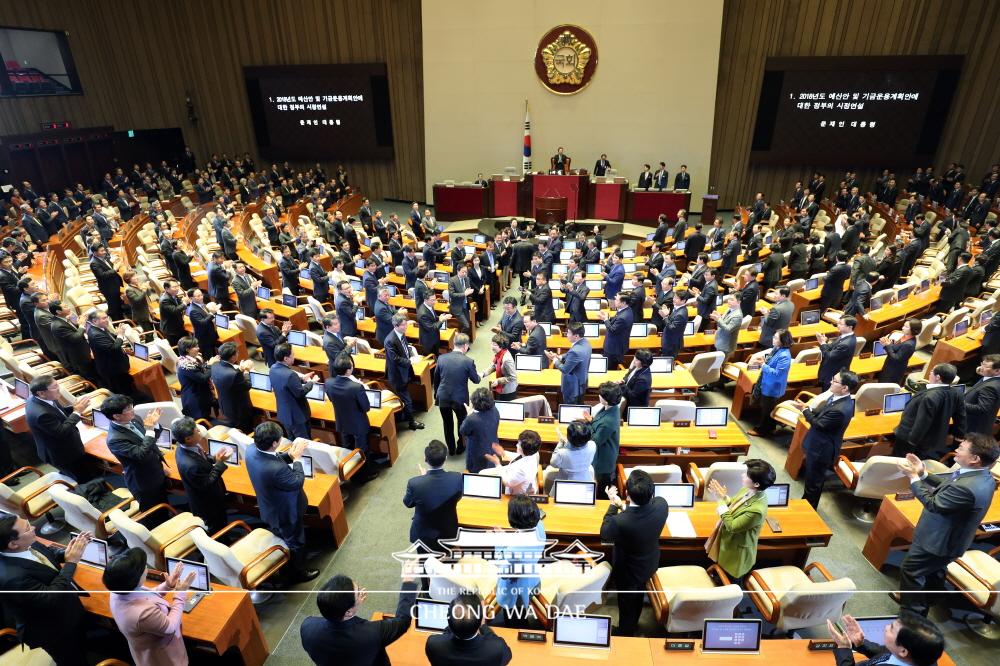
[679, 524]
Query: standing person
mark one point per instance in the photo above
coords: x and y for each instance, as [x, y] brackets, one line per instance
[138, 300]
[832, 292]
[733, 543]
[897, 354]
[399, 368]
[674, 322]
[706, 297]
[458, 295]
[43, 320]
[429, 324]
[728, 326]
[277, 480]
[618, 331]
[773, 380]
[133, 442]
[433, 495]
[172, 306]
[574, 453]
[202, 316]
[605, 430]
[452, 375]
[954, 505]
[634, 529]
[53, 427]
[827, 425]
[232, 385]
[778, 317]
[245, 287]
[290, 392]
[70, 340]
[479, 430]
[150, 624]
[503, 369]
[930, 415]
[836, 356]
[468, 639]
[638, 380]
[110, 359]
[574, 365]
[109, 282]
[201, 474]
[270, 336]
[195, 377]
[982, 399]
[350, 410]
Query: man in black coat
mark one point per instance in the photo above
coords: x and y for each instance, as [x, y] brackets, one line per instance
[575, 294]
[536, 344]
[861, 295]
[172, 306]
[468, 639]
[674, 323]
[982, 399]
[219, 280]
[70, 340]
[953, 287]
[897, 354]
[541, 299]
[289, 267]
[772, 267]
[433, 496]
[930, 415]
[233, 388]
[133, 441]
[695, 244]
[202, 316]
[245, 286]
[350, 410]
[109, 357]
[452, 375]
[833, 285]
[109, 282]
[201, 474]
[43, 323]
[38, 593]
[836, 356]
[635, 533]
[827, 424]
[429, 324]
[269, 335]
[399, 369]
[53, 427]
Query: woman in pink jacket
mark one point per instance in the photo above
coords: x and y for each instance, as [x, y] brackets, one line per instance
[151, 624]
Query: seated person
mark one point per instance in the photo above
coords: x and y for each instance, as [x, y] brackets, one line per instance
[910, 639]
[520, 474]
[467, 640]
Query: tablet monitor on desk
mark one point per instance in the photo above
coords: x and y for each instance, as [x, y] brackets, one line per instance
[100, 420]
[260, 381]
[985, 317]
[678, 495]
[391, 289]
[481, 485]
[564, 255]
[588, 631]
[555, 284]
[222, 321]
[875, 304]
[469, 250]
[304, 274]
[359, 314]
[582, 493]
[628, 254]
[263, 293]
[594, 284]
[777, 494]
[546, 326]
[903, 293]
[595, 269]
[95, 554]
[711, 417]
[529, 362]
[560, 269]
[289, 300]
[809, 317]
[21, 389]
[598, 365]
[895, 402]
[644, 416]
[650, 236]
[680, 245]
[165, 439]
[639, 330]
[356, 284]
[925, 284]
[307, 466]
[374, 398]
[441, 276]
[879, 349]
[201, 582]
[715, 255]
[510, 411]
[662, 364]
[296, 338]
[431, 615]
[570, 413]
[960, 328]
[479, 238]
[689, 327]
[592, 304]
[214, 446]
[316, 392]
[569, 245]
[731, 636]
[591, 330]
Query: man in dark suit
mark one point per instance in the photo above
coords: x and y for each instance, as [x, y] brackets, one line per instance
[433, 495]
[53, 427]
[837, 355]
[833, 285]
[468, 639]
[541, 299]
[333, 342]
[458, 295]
[897, 354]
[618, 331]
[172, 306]
[70, 340]
[645, 178]
[38, 593]
[536, 344]
[233, 388]
[707, 297]
[695, 244]
[930, 415]
[346, 308]
[341, 637]
[638, 380]
[909, 639]
[954, 505]
[982, 399]
[399, 368]
[201, 474]
[202, 316]
[109, 282]
[452, 375]
[861, 295]
[560, 161]
[953, 287]
[109, 358]
[674, 322]
[429, 324]
[511, 324]
[682, 179]
[133, 441]
[319, 277]
[601, 166]
[410, 263]
[245, 286]
[277, 480]
[229, 242]
[635, 532]
[575, 294]
[290, 392]
[827, 424]
[574, 365]
[289, 267]
[269, 335]
[43, 322]
[350, 411]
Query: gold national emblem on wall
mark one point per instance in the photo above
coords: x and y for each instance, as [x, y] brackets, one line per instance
[566, 59]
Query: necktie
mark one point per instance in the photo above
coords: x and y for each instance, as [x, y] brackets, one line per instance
[133, 428]
[406, 346]
[829, 401]
[956, 474]
[879, 659]
[41, 559]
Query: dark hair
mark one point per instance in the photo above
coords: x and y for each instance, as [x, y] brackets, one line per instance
[124, 572]
[848, 379]
[501, 340]
[42, 382]
[523, 513]
[916, 326]
[182, 428]
[784, 291]
[282, 351]
[55, 305]
[921, 638]
[227, 350]
[115, 404]
[576, 328]
[578, 433]
[611, 392]
[510, 300]
[645, 357]
[266, 434]
[849, 321]
[465, 615]
[639, 487]
[785, 338]
[993, 360]
[761, 473]
[482, 400]
[435, 453]
[335, 598]
[530, 442]
[342, 364]
[984, 446]
[184, 345]
[8, 532]
[946, 371]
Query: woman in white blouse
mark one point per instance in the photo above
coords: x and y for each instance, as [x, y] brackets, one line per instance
[520, 474]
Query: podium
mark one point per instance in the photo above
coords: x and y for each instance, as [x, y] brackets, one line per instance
[503, 196]
[709, 206]
[550, 210]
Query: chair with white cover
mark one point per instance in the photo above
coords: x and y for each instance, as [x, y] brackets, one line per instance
[167, 355]
[976, 574]
[789, 599]
[85, 517]
[659, 474]
[676, 410]
[331, 459]
[705, 367]
[241, 439]
[874, 479]
[729, 474]
[169, 539]
[20, 654]
[684, 596]
[808, 355]
[248, 327]
[869, 396]
[926, 335]
[474, 574]
[169, 412]
[246, 564]
[33, 500]
[564, 587]
[786, 413]
[535, 406]
[947, 327]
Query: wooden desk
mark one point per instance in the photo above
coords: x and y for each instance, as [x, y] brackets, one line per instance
[873, 325]
[14, 416]
[772, 651]
[233, 335]
[894, 524]
[802, 528]
[148, 377]
[269, 273]
[282, 312]
[548, 380]
[957, 349]
[864, 431]
[225, 620]
[809, 299]
[322, 491]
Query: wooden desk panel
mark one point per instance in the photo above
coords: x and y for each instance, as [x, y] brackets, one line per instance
[862, 427]
[268, 272]
[888, 318]
[957, 349]
[148, 377]
[772, 651]
[548, 380]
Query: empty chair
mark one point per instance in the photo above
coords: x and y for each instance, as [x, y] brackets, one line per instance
[169, 539]
[729, 474]
[85, 517]
[475, 574]
[563, 586]
[659, 474]
[976, 574]
[330, 459]
[705, 367]
[683, 597]
[248, 327]
[808, 355]
[926, 335]
[885, 296]
[874, 479]
[789, 599]
[33, 500]
[676, 410]
[246, 564]
[947, 327]
[869, 396]
[786, 413]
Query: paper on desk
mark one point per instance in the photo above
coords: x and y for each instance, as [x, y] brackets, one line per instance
[679, 524]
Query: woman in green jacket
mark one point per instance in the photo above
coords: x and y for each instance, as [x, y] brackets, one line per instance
[605, 428]
[733, 544]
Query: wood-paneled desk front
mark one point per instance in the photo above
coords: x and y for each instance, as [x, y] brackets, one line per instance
[233, 335]
[889, 318]
[608, 200]
[647, 205]
[282, 312]
[224, 620]
[268, 272]
[148, 377]
[322, 491]
[548, 380]
[863, 434]
[772, 651]
[460, 202]
[957, 350]
[802, 528]
[894, 524]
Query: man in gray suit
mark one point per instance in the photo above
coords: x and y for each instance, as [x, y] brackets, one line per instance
[954, 505]
[452, 375]
[458, 298]
[728, 326]
[776, 318]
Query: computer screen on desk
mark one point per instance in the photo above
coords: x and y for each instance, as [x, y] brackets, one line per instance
[260, 381]
[289, 300]
[100, 420]
[214, 446]
[594, 269]
[592, 304]
[811, 284]
[570, 413]
[591, 330]
[201, 581]
[222, 321]
[96, 552]
[140, 350]
[432, 615]
[895, 402]
[481, 485]
[678, 495]
[374, 398]
[662, 364]
[729, 636]
[317, 393]
[689, 328]
[711, 417]
[879, 349]
[809, 317]
[644, 416]
[777, 494]
[593, 631]
[510, 411]
[598, 365]
[639, 330]
[574, 492]
[530, 362]
[297, 338]
[263, 293]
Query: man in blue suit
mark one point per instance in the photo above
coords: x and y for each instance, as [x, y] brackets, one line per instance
[269, 335]
[837, 355]
[383, 315]
[433, 495]
[674, 323]
[410, 263]
[133, 441]
[346, 309]
[290, 392]
[350, 410]
[277, 480]
[573, 365]
[370, 283]
[618, 330]
[452, 375]
[615, 277]
[319, 277]
[827, 424]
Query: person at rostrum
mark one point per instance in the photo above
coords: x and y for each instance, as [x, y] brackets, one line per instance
[911, 639]
[133, 441]
[479, 430]
[350, 411]
[634, 529]
[232, 385]
[827, 424]
[452, 375]
[150, 623]
[733, 543]
[277, 480]
[53, 427]
[433, 495]
[468, 639]
[341, 637]
[201, 473]
[774, 366]
[37, 584]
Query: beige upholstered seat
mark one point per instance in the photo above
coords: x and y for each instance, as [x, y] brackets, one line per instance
[169, 539]
[676, 410]
[869, 396]
[684, 596]
[31, 500]
[330, 459]
[789, 599]
[976, 574]
[564, 586]
[85, 517]
[705, 367]
[248, 562]
[469, 573]
[729, 474]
